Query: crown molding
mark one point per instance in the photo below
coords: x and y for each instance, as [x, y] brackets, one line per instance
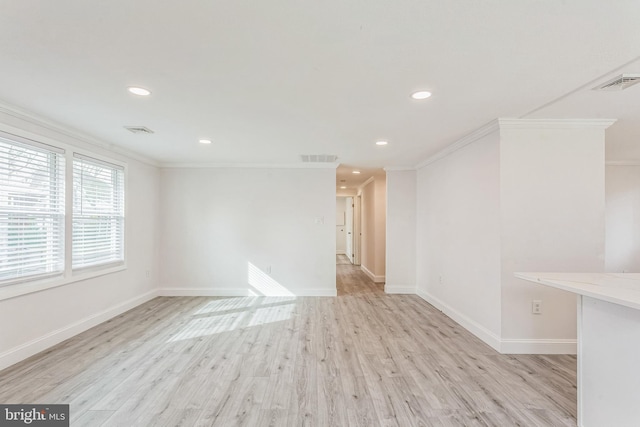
[73, 134]
[399, 169]
[492, 126]
[249, 165]
[364, 184]
[555, 123]
[622, 163]
[508, 123]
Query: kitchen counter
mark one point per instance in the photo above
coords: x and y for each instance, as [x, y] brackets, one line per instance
[608, 344]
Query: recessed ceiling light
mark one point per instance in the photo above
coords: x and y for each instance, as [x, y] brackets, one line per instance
[422, 94]
[343, 187]
[381, 142]
[356, 172]
[139, 91]
[204, 141]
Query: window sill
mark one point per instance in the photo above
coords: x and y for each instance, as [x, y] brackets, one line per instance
[24, 288]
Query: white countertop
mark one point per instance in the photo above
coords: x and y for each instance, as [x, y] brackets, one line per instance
[623, 289]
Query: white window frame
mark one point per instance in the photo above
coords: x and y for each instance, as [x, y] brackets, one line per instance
[93, 159]
[60, 153]
[25, 285]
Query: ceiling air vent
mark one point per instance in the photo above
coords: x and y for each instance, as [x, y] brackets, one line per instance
[138, 129]
[319, 158]
[621, 82]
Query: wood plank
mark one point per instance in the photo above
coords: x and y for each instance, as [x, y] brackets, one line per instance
[364, 359]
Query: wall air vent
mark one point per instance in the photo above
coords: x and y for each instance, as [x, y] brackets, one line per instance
[318, 158]
[138, 129]
[621, 82]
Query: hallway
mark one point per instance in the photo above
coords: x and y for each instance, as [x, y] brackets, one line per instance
[350, 280]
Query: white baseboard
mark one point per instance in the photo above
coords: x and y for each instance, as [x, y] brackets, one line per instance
[236, 292]
[399, 289]
[341, 252]
[538, 346]
[470, 325]
[504, 346]
[35, 346]
[376, 279]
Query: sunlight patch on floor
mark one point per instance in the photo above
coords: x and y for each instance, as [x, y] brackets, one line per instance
[242, 312]
[227, 304]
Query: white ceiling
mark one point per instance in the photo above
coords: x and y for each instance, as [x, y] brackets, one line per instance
[268, 81]
[346, 178]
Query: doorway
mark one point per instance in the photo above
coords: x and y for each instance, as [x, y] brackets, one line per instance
[348, 228]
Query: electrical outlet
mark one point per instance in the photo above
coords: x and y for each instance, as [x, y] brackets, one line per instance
[148, 274]
[536, 306]
[268, 269]
[440, 279]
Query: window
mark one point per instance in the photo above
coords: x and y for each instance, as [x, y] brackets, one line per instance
[98, 212]
[31, 209]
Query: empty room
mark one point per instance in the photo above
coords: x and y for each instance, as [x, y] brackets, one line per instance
[337, 213]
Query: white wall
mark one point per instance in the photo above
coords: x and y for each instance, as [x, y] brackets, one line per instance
[373, 243]
[218, 222]
[341, 233]
[526, 196]
[368, 233]
[458, 236]
[42, 319]
[401, 232]
[380, 188]
[622, 218]
[553, 219]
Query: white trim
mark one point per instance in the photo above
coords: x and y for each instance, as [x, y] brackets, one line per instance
[509, 123]
[66, 131]
[485, 130]
[376, 279]
[400, 289]
[555, 123]
[504, 346]
[31, 286]
[12, 138]
[77, 154]
[238, 292]
[538, 346]
[171, 165]
[26, 285]
[364, 184]
[470, 325]
[28, 349]
[399, 168]
[622, 163]
[587, 86]
[341, 252]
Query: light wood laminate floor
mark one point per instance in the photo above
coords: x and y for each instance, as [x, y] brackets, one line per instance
[362, 359]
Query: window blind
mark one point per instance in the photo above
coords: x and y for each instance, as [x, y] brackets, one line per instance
[98, 212]
[31, 209]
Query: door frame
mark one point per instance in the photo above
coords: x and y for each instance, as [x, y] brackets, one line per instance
[349, 205]
[357, 228]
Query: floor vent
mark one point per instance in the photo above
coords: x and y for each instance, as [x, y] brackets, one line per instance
[138, 129]
[318, 158]
[621, 82]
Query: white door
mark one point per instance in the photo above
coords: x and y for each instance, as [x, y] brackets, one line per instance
[349, 227]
